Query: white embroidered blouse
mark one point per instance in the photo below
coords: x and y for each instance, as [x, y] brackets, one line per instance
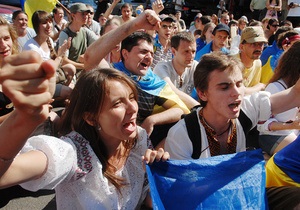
[76, 174]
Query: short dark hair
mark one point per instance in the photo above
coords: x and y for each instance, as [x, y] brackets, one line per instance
[126, 5]
[54, 11]
[132, 40]
[205, 19]
[181, 36]
[211, 62]
[16, 13]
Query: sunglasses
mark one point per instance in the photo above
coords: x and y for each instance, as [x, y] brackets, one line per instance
[275, 26]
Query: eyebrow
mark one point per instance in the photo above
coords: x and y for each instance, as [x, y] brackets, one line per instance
[224, 83]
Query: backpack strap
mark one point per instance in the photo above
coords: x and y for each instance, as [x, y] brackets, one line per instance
[245, 122]
[251, 134]
[193, 128]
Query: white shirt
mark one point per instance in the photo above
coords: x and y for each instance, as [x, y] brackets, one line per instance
[286, 116]
[31, 44]
[256, 107]
[76, 174]
[165, 69]
[30, 33]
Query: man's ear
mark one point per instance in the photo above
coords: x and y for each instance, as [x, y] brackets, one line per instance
[125, 53]
[88, 118]
[173, 50]
[201, 94]
[241, 47]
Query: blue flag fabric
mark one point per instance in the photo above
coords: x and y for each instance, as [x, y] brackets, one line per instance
[235, 181]
[288, 160]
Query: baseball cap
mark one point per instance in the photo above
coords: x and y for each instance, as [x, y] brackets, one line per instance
[253, 34]
[221, 27]
[78, 7]
[199, 15]
[167, 18]
[244, 18]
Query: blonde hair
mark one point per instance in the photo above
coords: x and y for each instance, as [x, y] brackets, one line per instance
[12, 33]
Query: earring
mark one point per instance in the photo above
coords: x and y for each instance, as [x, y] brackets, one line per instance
[98, 127]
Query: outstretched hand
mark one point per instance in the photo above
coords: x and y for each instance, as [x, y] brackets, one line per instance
[157, 155]
[28, 82]
[158, 6]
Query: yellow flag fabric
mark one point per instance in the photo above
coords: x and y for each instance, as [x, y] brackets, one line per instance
[276, 177]
[30, 6]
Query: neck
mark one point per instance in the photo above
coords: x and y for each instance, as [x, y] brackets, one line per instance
[248, 62]
[215, 48]
[40, 39]
[163, 42]
[219, 125]
[58, 22]
[21, 32]
[178, 68]
[75, 27]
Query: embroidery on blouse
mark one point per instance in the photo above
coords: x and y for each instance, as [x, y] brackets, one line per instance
[84, 157]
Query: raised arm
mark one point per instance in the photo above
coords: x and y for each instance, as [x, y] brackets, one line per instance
[30, 84]
[147, 20]
[111, 8]
[286, 99]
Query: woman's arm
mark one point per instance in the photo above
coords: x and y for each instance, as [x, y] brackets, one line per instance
[25, 167]
[286, 99]
[30, 84]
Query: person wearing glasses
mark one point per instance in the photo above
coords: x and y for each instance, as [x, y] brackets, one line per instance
[91, 23]
[272, 27]
[251, 47]
[81, 36]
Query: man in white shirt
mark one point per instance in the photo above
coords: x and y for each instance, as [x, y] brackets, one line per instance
[178, 72]
[91, 23]
[59, 23]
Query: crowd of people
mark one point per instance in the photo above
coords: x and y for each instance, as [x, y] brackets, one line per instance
[93, 99]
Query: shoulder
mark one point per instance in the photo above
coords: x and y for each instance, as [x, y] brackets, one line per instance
[257, 63]
[162, 66]
[31, 31]
[31, 44]
[276, 86]
[194, 65]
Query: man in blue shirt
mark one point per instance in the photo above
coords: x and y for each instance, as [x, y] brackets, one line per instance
[219, 42]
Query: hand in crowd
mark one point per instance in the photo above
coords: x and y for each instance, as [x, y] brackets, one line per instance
[148, 20]
[116, 1]
[28, 82]
[158, 6]
[64, 47]
[155, 155]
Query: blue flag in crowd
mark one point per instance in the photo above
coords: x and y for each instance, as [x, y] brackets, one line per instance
[235, 181]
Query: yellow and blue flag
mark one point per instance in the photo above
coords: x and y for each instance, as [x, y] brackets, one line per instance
[283, 169]
[154, 85]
